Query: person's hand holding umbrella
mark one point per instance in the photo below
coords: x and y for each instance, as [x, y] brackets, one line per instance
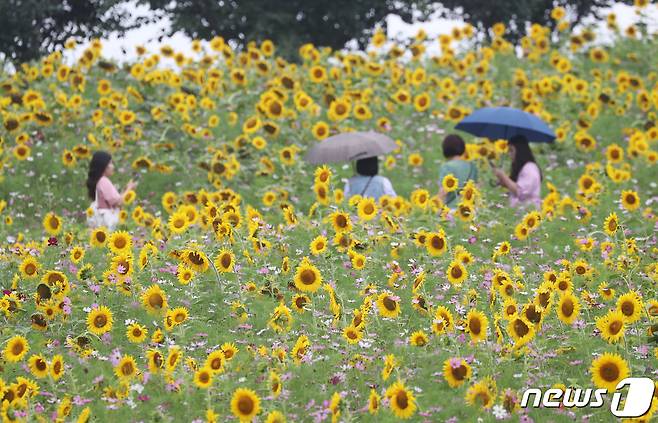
[504, 179]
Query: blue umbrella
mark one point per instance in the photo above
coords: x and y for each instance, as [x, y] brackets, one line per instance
[505, 122]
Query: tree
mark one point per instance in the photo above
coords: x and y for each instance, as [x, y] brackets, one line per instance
[515, 14]
[31, 28]
[288, 23]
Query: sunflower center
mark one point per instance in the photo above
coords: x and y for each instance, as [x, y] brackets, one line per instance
[307, 276]
[225, 261]
[40, 365]
[459, 373]
[521, 328]
[532, 314]
[456, 272]
[156, 300]
[627, 308]
[567, 308]
[437, 242]
[204, 377]
[389, 303]
[483, 397]
[245, 405]
[401, 399]
[615, 327]
[609, 372]
[196, 258]
[30, 269]
[369, 209]
[100, 321]
[475, 326]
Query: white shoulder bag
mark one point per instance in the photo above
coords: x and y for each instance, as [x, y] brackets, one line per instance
[102, 217]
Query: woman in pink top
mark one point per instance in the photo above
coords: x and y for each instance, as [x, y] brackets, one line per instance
[524, 181]
[99, 187]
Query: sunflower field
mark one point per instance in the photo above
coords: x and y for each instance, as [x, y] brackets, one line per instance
[241, 285]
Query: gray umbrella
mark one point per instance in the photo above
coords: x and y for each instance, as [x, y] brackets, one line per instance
[350, 146]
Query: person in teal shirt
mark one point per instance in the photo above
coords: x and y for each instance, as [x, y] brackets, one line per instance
[453, 150]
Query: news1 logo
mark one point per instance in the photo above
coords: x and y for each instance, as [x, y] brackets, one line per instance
[638, 399]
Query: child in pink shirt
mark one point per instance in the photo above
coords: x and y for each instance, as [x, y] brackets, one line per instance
[524, 181]
[101, 189]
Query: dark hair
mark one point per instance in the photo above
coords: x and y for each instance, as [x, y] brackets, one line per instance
[522, 155]
[453, 145]
[97, 166]
[368, 166]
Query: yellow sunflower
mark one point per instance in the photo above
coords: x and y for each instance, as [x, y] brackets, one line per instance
[352, 334]
[611, 326]
[568, 308]
[630, 200]
[57, 367]
[203, 378]
[229, 350]
[341, 221]
[29, 267]
[481, 394]
[456, 272]
[443, 321]
[374, 401]
[611, 224]
[318, 245]
[245, 404]
[126, 369]
[99, 320]
[196, 260]
[521, 330]
[608, 370]
[120, 242]
[418, 339]
[98, 237]
[308, 278]
[154, 299]
[388, 305]
[367, 209]
[52, 224]
[476, 325]
[136, 333]
[215, 361]
[225, 261]
[450, 183]
[435, 243]
[38, 366]
[456, 372]
[630, 306]
[402, 401]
